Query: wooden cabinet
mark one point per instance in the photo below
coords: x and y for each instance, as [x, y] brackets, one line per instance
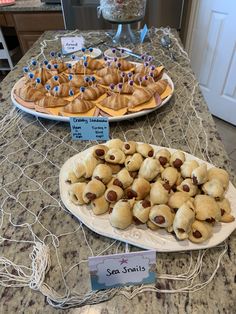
[28, 39]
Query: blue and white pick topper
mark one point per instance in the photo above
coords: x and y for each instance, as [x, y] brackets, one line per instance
[125, 269]
[143, 33]
[71, 44]
[89, 128]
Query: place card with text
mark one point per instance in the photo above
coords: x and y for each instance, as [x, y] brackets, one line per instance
[125, 269]
[71, 44]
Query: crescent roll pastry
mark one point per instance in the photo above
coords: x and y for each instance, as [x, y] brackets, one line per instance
[94, 64]
[145, 149]
[114, 193]
[141, 210]
[126, 88]
[158, 87]
[86, 167]
[158, 194]
[139, 189]
[183, 220]
[163, 155]
[170, 175]
[139, 97]
[225, 209]
[57, 65]
[133, 162]
[94, 189]
[149, 169]
[125, 178]
[110, 78]
[63, 90]
[177, 199]
[29, 93]
[115, 143]
[115, 168]
[93, 92]
[51, 102]
[76, 193]
[78, 106]
[100, 151]
[220, 174]
[152, 226]
[100, 205]
[129, 148]
[44, 74]
[78, 81]
[71, 178]
[115, 156]
[121, 215]
[162, 216]
[200, 231]
[187, 168]
[188, 187]
[206, 208]
[79, 68]
[61, 78]
[103, 173]
[124, 65]
[115, 102]
[104, 71]
[213, 188]
[177, 159]
[199, 174]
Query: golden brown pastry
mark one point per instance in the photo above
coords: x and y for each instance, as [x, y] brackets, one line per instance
[139, 97]
[103, 173]
[200, 231]
[162, 216]
[133, 162]
[139, 189]
[199, 174]
[29, 93]
[145, 149]
[78, 106]
[126, 88]
[177, 159]
[187, 168]
[110, 78]
[188, 187]
[124, 65]
[63, 90]
[58, 65]
[71, 178]
[158, 194]
[141, 210]
[220, 174]
[104, 71]
[183, 220]
[115, 102]
[115, 156]
[121, 215]
[152, 226]
[163, 155]
[124, 178]
[129, 148]
[213, 188]
[86, 167]
[78, 81]
[170, 175]
[51, 102]
[177, 199]
[76, 193]
[93, 92]
[225, 209]
[207, 209]
[94, 189]
[94, 64]
[114, 193]
[115, 143]
[115, 168]
[158, 87]
[56, 80]
[100, 205]
[79, 68]
[149, 169]
[100, 151]
[44, 74]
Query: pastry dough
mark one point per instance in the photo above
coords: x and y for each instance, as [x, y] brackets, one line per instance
[100, 205]
[76, 193]
[152, 226]
[125, 178]
[121, 215]
[100, 151]
[220, 174]
[110, 78]
[115, 156]
[114, 193]
[63, 90]
[149, 169]
[125, 89]
[158, 87]
[115, 143]
[61, 78]
[115, 168]
[145, 149]
[93, 92]
[94, 64]
[163, 155]
[158, 194]
[140, 96]
[225, 209]
[213, 188]
[177, 199]
[79, 68]
[187, 168]
[188, 187]
[86, 167]
[29, 93]
[162, 216]
[199, 174]
[115, 102]
[183, 220]
[177, 159]
[133, 162]
[139, 189]
[71, 178]
[124, 65]
[129, 148]
[103, 173]
[141, 210]
[206, 208]
[51, 102]
[94, 189]
[78, 106]
[170, 175]
[200, 231]
[78, 81]
[104, 71]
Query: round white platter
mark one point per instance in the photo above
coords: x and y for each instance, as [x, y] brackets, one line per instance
[140, 235]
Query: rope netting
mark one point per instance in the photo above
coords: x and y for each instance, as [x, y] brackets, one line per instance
[43, 246]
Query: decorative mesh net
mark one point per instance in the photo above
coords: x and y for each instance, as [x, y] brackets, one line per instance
[45, 248]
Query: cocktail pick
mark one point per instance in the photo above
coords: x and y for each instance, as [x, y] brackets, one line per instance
[87, 79]
[31, 76]
[49, 67]
[37, 80]
[93, 80]
[151, 74]
[33, 62]
[73, 57]
[123, 75]
[152, 67]
[25, 70]
[59, 55]
[130, 75]
[146, 64]
[85, 66]
[83, 49]
[69, 66]
[55, 65]
[90, 51]
[112, 87]
[71, 92]
[45, 62]
[56, 78]
[56, 90]
[82, 89]
[149, 58]
[48, 87]
[131, 83]
[120, 86]
[140, 79]
[52, 55]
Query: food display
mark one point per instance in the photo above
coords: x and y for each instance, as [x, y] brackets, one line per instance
[91, 87]
[135, 185]
[121, 11]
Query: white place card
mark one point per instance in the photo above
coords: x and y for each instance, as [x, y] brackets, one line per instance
[71, 44]
[125, 269]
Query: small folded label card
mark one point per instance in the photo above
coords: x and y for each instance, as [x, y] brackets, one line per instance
[125, 269]
[71, 44]
[143, 33]
[89, 128]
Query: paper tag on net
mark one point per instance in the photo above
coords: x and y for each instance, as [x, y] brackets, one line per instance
[89, 128]
[71, 44]
[125, 269]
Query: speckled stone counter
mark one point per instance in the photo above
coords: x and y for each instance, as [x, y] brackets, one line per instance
[32, 152]
[30, 5]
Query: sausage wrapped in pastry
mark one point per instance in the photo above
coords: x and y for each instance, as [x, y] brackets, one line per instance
[100, 205]
[220, 174]
[100, 151]
[76, 193]
[213, 188]
[199, 174]
[177, 159]
[162, 216]
[206, 208]
[115, 143]
[183, 220]
[188, 187]
[177, 199]
[114, 193]
[121, 215]
[158, 194]
[133, 162]
[163, 155]
[145, 149]
[94, 189]
[129, 148]
[149, 169]
[86, 167]
[170, 175]
[124, 178]
[115, 156]
[200, 231]
[141, 210]
[187, 168]
[103, 173]
[139, 189]
[225, 209]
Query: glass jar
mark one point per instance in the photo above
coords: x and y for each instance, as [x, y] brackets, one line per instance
[123, 11]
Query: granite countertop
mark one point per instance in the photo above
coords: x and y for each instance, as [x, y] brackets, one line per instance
[32, 152]
[30, 5]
